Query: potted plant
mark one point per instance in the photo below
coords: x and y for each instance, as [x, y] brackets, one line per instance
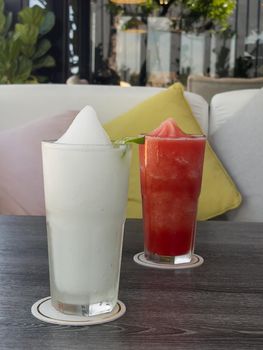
[23, 45]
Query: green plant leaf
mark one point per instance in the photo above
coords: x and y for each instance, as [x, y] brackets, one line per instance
[2, 22]
[41, 78]
[8, 23]
[14, 47]
[9, 59]
[32, 15]
[3, 80]
[11, 72]
[44, 62]
[9, 50]
[42, 48]
[130, 139]
[2, 40]
[3, 56]
[27, 50]
[32, 80]
[27, 33]
[48, 23]
[2, 5]
[24, 69]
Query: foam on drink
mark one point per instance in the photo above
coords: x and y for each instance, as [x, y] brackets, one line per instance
[85, 129]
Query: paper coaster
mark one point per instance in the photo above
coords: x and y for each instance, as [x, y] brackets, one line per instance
[196, 261]
[44, 311]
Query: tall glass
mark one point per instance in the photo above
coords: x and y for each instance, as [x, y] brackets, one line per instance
[171, 174]
[85, 195]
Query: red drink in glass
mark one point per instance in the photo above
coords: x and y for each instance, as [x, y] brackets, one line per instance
[171, 173]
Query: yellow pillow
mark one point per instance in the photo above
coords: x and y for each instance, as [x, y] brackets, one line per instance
[218, 193]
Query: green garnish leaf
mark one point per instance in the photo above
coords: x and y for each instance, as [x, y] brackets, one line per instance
[130, 139]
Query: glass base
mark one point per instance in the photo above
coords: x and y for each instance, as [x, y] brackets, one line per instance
[83, 310]
[44, 311]
[164, 259]
[140, 259]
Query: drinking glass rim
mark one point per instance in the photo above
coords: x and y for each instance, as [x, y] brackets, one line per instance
[186, 137]
[94, 147]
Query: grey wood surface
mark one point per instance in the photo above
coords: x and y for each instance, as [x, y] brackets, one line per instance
[215, 306]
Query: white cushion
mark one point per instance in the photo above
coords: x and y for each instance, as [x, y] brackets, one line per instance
[238, 142]
[24, 103]
[200, 109]
[223, 106]
[21, 175]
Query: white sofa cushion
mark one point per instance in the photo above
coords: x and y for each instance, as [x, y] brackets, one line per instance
[24, 103]
[21, 184]
[199, 108]
[223, 106]
[238, 142]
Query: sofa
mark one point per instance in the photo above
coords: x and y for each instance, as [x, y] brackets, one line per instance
[25, 104]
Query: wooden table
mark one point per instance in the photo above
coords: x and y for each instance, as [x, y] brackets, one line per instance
[218, 305]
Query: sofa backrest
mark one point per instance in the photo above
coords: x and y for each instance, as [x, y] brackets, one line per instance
[209, 87]
[24, 103]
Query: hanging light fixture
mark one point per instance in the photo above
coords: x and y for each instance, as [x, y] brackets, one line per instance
[128, 2]
[134, 25]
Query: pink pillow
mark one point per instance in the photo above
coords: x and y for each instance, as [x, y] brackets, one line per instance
[21, 178]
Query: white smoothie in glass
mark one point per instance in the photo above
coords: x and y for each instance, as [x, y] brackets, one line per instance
[86, 185]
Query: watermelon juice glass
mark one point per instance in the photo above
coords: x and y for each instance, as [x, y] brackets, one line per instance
[171, 164]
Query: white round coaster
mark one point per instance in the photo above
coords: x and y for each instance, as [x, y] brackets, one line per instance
[44, 311]
[140, 259]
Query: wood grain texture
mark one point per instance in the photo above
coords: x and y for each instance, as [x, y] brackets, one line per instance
[215, 306]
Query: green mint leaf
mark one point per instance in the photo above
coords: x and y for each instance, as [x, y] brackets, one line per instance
[130, 139]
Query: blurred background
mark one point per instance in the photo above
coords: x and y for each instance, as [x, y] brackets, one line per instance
[129, 42]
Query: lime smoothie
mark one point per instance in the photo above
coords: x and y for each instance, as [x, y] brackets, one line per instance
[86, 184]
